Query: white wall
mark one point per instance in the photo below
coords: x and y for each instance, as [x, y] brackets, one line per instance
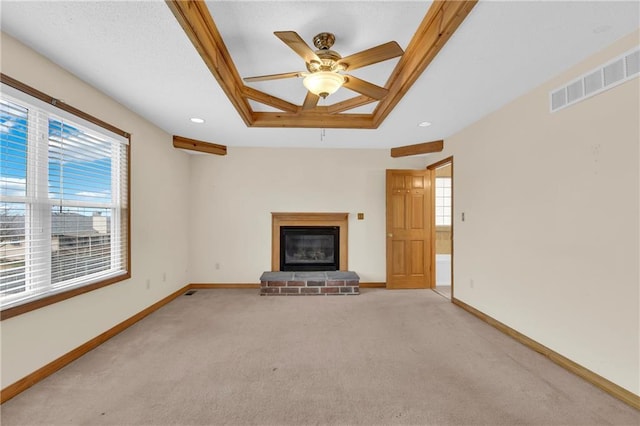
[159, 230]
[232, 199]
[552, 221]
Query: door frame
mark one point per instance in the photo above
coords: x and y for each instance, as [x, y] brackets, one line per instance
[432, 168]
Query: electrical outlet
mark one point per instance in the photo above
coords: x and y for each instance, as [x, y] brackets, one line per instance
[164, 277]
[148, 283]
[471, 283]
[217, 266]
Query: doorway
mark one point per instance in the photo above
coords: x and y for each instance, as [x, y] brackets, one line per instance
[409, 251]
[442, 227]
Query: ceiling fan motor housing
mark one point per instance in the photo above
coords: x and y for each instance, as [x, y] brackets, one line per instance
[324, 41]
[329, 61]
[329, 58]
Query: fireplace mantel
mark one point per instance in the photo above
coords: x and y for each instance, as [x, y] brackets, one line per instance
[309, 219]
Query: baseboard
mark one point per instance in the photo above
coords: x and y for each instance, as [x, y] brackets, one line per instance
[33, 378]
[373, 285]
[564, 362]
[198, 286]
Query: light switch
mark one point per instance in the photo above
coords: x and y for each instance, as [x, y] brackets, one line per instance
[360, 216]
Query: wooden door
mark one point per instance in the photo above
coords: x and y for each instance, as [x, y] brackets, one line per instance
[408, 229]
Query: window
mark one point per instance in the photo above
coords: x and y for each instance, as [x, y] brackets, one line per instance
[64, 216]
[443, 201]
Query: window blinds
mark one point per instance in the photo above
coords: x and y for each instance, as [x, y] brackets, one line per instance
[63, 200]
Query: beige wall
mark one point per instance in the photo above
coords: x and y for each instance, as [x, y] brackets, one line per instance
[232, 198]
[551, 233]
[159, 231]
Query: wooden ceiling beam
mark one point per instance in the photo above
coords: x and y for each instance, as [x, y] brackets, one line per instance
[196, 21]
[313, 120]
[272, 101]
[200, 146]
[350, 104]
[419, 148]
[442, 19]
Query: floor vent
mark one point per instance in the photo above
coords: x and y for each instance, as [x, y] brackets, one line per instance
[190, 292]
[606, 76]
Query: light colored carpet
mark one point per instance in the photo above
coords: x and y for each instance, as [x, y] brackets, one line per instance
[444, 290]
[381, 358]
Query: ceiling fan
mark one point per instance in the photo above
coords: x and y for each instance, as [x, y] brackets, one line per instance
[325, 67]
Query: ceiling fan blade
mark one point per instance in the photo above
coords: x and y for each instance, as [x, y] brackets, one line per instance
[310, 101]
[372, 56]
[273, 76]
[295, 42]
[364, 87]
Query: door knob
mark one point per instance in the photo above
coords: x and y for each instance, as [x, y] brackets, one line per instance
[390, 235]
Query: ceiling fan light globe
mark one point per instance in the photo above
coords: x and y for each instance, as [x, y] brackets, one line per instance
[323, 83]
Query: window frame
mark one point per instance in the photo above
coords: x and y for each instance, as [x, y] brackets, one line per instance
[448, 210]
[67, 294]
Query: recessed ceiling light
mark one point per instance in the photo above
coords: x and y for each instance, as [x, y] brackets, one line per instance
[197, 120]
[424, 124]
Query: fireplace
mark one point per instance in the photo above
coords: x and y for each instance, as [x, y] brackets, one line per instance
[316, 263]
[311, 220]
[309, 248]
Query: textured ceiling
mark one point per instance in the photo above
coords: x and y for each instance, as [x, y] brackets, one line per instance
[137, 53]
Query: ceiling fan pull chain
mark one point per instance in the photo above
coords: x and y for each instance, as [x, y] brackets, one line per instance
[323, 133]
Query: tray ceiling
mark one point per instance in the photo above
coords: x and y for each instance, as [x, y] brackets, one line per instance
[439, 23]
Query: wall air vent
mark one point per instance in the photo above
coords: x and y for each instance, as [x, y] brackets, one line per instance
[633, 62]
[593, 83]
[558, 99]
[606, 76]
[575, 91]
[613, 72]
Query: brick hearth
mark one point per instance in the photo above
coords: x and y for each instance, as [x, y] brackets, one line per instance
[337, 283]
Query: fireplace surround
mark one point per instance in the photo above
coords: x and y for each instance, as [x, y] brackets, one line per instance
[310, 282]
[339, 220]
